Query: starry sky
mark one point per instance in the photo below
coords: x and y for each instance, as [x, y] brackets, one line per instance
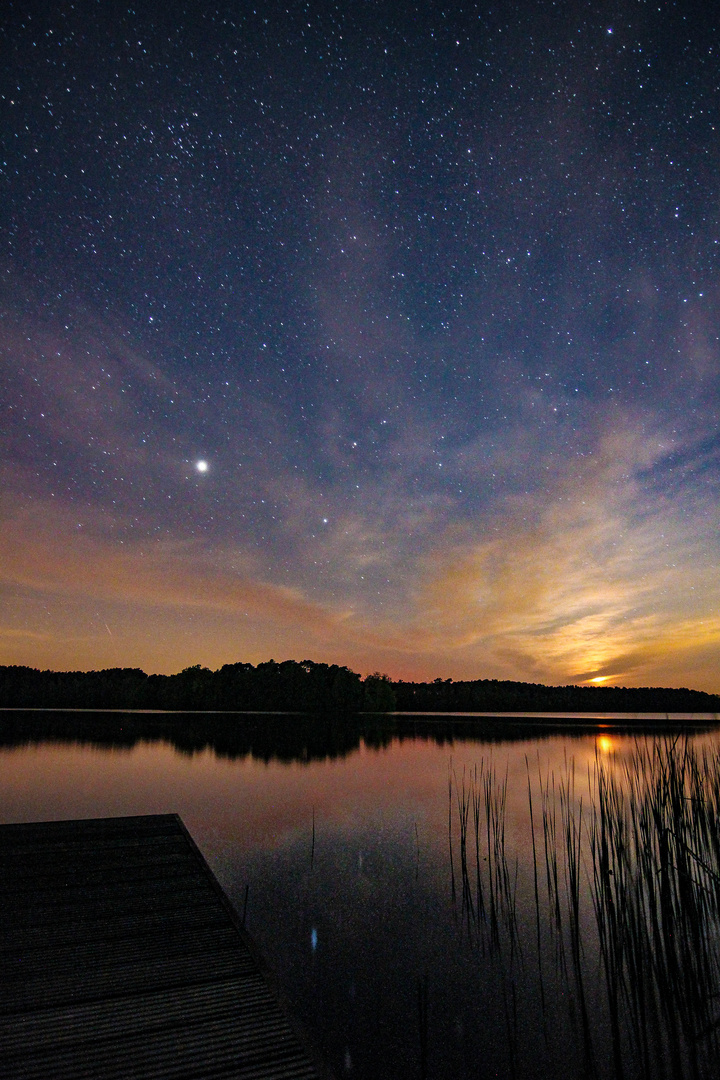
[372, 333]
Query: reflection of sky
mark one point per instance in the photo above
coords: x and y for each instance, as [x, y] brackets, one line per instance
[352, 925]
[382, 338]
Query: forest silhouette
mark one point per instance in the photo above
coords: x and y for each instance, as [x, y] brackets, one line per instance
[307, 686]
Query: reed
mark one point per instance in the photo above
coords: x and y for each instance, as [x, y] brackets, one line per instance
[464, 799]
[626, 885]
[489, 910]
[654, 877]
[489, 891]
[536, 894]
[477, 820]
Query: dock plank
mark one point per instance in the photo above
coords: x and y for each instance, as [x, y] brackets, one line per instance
[122, 958]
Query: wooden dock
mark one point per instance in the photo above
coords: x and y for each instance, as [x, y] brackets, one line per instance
[121, 956]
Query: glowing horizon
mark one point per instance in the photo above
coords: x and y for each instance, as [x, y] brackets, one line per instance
[413, 374]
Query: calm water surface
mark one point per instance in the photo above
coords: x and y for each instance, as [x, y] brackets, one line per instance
[363, 897]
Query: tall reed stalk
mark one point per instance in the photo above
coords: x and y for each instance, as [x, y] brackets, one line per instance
[489, 888]
[631, 883]
[489, 909]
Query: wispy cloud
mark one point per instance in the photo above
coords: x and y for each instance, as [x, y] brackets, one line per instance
[43, 549]
[583, 581]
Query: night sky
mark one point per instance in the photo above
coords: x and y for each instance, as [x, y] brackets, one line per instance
[373, 333]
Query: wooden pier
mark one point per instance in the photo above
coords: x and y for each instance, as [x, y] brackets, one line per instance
[121, 956]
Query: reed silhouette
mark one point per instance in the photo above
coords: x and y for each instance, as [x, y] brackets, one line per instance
[626, 893]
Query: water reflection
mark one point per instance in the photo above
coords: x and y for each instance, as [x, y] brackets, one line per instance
[302, 737]
[436, 900]
[605, 744]
[265, 737]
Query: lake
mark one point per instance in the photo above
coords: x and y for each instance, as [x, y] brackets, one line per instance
[420, 921]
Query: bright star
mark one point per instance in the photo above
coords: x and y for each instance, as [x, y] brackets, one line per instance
[201, 466]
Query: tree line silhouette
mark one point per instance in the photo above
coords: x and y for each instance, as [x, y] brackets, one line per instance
[269, 687]
[499, 696]
[311, 687]
[306, 686]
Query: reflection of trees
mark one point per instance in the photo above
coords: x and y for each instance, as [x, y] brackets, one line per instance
[264, 737]
[301, 737]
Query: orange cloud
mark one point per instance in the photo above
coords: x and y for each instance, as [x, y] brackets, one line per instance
[61, 557]
[578, 584]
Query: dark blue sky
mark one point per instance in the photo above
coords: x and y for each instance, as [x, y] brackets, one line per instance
[432, 289]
